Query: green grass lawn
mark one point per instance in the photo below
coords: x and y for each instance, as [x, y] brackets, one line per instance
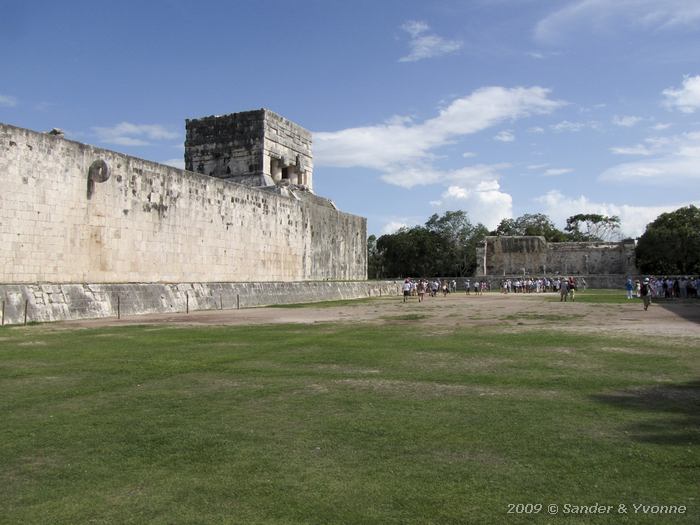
[342, 423]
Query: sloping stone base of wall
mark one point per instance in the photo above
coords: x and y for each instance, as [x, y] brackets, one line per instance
[60, 302]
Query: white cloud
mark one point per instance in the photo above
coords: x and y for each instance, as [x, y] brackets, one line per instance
[536, 55]
[637, 149]
[572, 127]
[675, 162]
[175, 163]
[604, 16]
[686, 99]
[633, 219]
[402, 150]
[661, 126]
[426, 45]
[422, 175]
[554, 172]
[626, 121]
[535, 129]
[393, 227]
[537, 166]
[468, 154]
[7, 101]
[43, 105]
[504, 136]
[128, 134]
[485, 202]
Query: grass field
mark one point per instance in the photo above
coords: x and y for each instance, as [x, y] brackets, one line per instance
[343, 423]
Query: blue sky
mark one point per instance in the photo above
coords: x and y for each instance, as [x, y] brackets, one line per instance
[497, 107]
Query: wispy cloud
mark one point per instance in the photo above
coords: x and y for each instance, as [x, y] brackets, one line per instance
[395, 225]
[598, 16]
[485, 201]
[626, 121]
[128, 134]
[403, 151]
[633, 219]
[424, 44]
[43, 105]
[8, 101]
[555, 172]
[637, 149]
[674, 162]
[685, 99]
[504, 136]
[573, 127]
[542, 55]
[424, 174]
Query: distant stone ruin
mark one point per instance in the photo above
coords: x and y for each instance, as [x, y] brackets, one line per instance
[534, 256]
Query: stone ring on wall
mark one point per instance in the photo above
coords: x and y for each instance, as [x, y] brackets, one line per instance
[99, 171]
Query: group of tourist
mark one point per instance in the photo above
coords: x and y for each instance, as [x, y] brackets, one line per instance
[664, 287]
[539, 284]
[646, 289]
[420, 287]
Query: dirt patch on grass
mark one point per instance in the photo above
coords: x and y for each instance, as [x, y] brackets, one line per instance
[429, 389]
[623, 350]
[455, 361]
[31, 343]
[512, 313]
[342, 369]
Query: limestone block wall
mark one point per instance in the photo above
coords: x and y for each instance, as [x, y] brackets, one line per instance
[153, 223]
[226, 146]
[592, 258]
[533, 255]
[60, 302]
[287, 145]
[257, 147]
[511, 255]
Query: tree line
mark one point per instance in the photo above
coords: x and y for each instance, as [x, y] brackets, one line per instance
[446, 244]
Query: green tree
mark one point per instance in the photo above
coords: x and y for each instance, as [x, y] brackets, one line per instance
[445, 246]
[593, 227]
[374, 258]
[531, 224]
[671, 243]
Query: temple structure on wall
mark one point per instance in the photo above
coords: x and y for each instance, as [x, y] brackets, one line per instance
[534, 256]
[256, 148]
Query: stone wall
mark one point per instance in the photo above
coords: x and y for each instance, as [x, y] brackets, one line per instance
[533, 255]
[59, 302]
[592, 258]
[153, 223]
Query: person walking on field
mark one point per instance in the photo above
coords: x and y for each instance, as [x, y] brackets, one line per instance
[629, 287]
[645, 293]
[421, 290]
[572, 288]
[406, 289]
[563, 290]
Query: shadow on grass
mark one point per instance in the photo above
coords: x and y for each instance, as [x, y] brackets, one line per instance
[688, 309]
[679, 404]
